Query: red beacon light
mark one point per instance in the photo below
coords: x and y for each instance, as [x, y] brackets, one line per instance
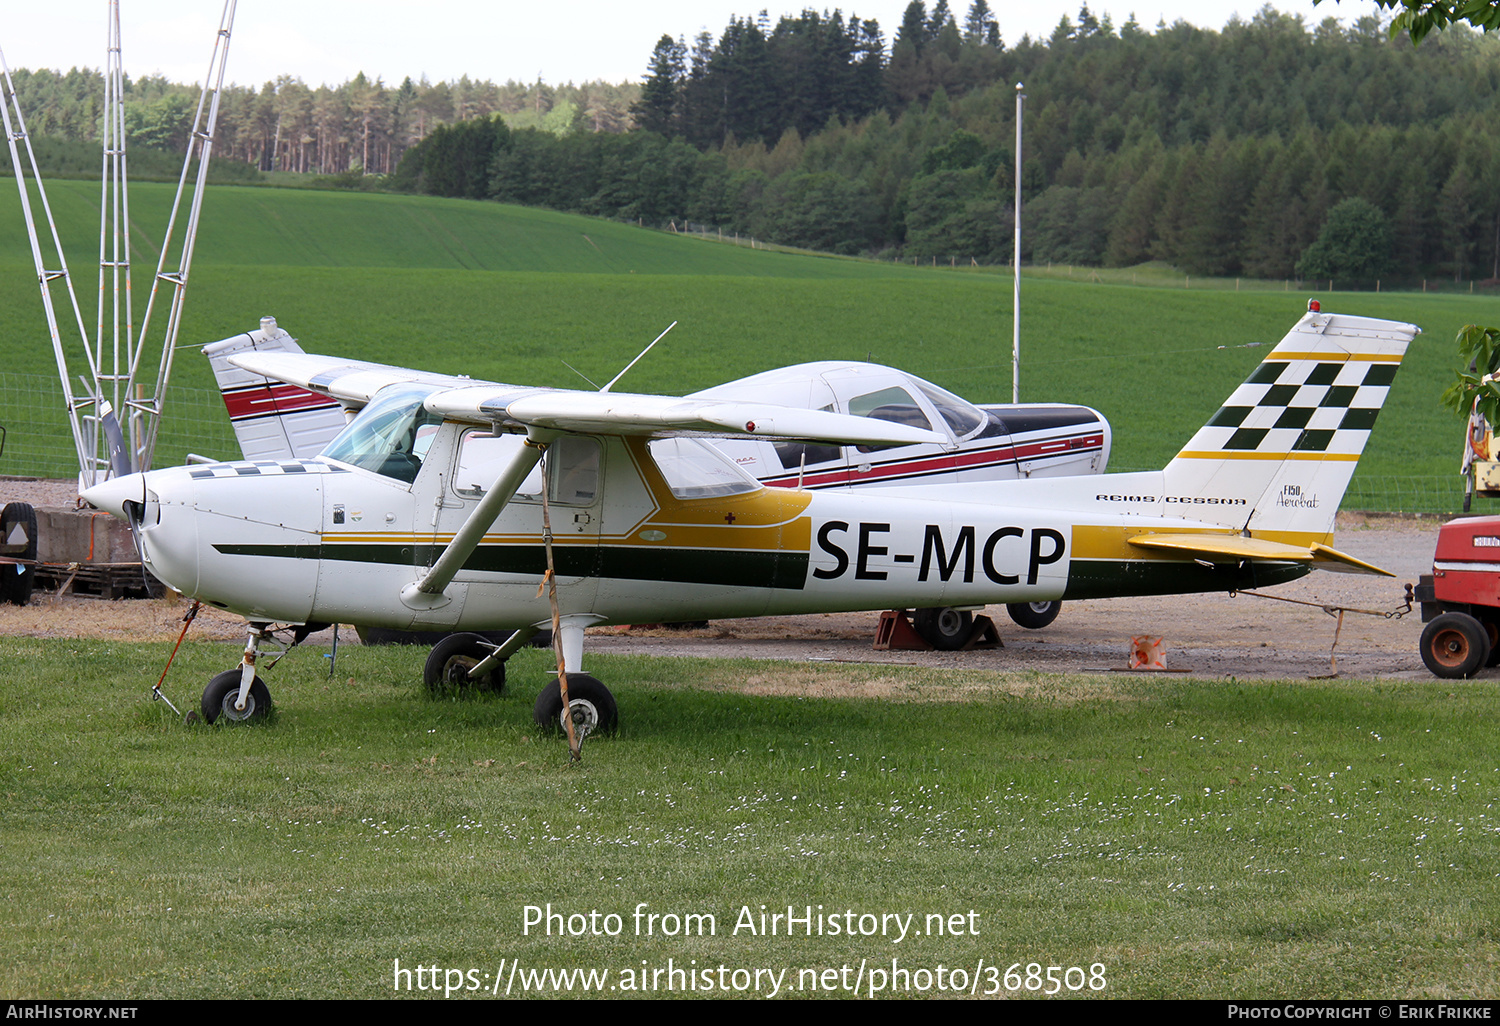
[1313, 306]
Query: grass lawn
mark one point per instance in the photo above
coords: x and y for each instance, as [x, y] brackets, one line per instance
[1192, 839]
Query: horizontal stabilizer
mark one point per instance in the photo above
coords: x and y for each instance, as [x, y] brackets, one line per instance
[1328, 558]
[1219, 548]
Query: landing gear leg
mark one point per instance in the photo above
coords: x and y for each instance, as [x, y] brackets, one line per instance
[239, 695]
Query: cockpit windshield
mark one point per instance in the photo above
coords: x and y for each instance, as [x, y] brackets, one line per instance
[963, 417]
[391, 435]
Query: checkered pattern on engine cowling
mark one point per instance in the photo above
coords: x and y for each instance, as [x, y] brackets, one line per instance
[1301, 405]
[258, 468]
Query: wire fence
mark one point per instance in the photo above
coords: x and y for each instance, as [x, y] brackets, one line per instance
[1439, 493]
[38, 441]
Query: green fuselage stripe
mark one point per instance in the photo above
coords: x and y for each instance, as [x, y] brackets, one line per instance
[725, 567]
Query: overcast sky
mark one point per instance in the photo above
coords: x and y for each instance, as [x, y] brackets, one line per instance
[328, 41]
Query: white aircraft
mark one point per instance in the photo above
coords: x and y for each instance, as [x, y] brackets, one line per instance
[428, 510]
[276, 420]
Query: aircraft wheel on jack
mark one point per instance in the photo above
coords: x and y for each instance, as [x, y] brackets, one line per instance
[16, 581]
[1034, 615]
[219, 696]
[449, 663]
[943, 628]
[1455, 645]
[589, 701]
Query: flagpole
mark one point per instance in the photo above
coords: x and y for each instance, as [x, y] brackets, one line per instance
[1015, 346]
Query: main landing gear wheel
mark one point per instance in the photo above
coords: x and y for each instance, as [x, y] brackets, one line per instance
[220, 695]
[18, 528]
[943, 628]
[592, 706]
[1455, 645]
[449, 663]
[1034, 615]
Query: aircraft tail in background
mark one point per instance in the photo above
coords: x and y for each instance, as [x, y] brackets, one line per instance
[272, 420]
[1292, 434]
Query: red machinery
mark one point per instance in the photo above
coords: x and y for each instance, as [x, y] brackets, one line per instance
[1461, 599]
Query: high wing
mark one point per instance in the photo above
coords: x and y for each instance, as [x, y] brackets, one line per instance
[355, 382]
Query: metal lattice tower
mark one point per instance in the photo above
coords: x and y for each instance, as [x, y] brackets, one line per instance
[114, 349]
[116, 369]
[85, 438]
[147, 411]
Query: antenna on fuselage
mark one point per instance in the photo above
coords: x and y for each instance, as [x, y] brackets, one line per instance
[581, 374]
[637, 360]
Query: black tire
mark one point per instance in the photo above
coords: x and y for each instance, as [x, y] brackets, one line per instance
[449, 663]
[16, 581]
[1455, 645]
[1034, 615]
[589, 701]
[1491, 631]
[219, 696]
[944, 628]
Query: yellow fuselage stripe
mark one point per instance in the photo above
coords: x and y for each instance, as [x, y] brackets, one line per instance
[1204, 454]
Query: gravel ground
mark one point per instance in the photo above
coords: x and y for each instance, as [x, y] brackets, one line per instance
[1203, 635]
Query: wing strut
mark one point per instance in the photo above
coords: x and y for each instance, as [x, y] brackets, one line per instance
[428, 592]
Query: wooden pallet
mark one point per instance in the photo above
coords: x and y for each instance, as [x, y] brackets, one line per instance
[95, 580]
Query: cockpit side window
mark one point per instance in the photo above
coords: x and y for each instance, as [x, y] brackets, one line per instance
[695, 470]
[893, 404]
[391, 435]
[482, 456]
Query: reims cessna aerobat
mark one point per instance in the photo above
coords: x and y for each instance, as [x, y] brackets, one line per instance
[427, 512]
[276, 420]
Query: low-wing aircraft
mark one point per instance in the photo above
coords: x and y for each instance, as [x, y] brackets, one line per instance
[428, 511]
[277, 420]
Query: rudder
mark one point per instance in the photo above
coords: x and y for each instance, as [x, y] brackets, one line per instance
[271, 420]
[1286, 442]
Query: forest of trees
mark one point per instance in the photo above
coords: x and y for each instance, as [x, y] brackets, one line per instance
[362, 125]
[1266, 149]
[1219, 152]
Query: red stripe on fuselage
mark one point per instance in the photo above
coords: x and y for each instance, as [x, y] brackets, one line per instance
[918, 466]
[271, 400]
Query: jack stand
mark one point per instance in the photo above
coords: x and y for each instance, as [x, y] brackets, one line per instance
[896, 632]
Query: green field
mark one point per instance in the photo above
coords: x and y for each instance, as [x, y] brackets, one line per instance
[509, 293]
[1193, 839]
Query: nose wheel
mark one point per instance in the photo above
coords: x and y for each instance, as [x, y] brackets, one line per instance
[238, 695]
[221, 697]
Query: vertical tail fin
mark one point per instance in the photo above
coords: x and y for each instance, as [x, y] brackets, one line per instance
[272, 420]
[1289, 438]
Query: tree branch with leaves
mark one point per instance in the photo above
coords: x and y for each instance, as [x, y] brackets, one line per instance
[1476, 390]
[1419, 17]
